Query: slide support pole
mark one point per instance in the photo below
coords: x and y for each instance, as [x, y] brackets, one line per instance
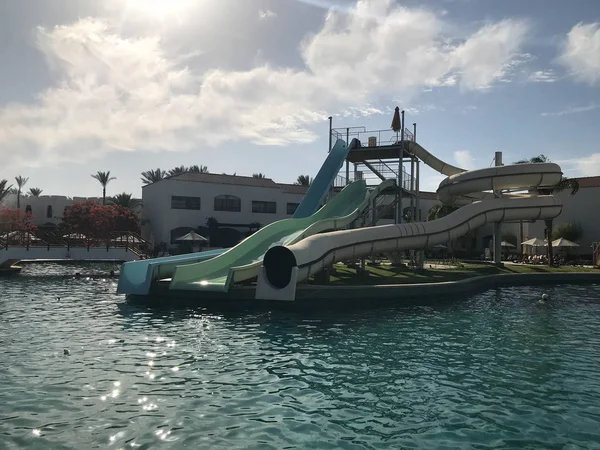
[497, 225]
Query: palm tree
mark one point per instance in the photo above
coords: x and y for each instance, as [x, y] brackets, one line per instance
[21, 181]
[103, 178]
[259, 175]
[4, 190]
[535, 159]
[177, 170]
[564, 184]
[125, 200]
[304, 180]
[152, 176]
[35, 192]
[198, 169]
[438, 211]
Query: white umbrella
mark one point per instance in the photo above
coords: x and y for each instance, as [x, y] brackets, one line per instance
[506, 244]
[192, 236]
[439, 246]
[562, 242]
[535, 242]
[27, 236]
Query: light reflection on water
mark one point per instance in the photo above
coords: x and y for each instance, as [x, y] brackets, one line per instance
[494, 369]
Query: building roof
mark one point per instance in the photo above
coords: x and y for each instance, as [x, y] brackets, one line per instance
[428, 195]
[588, 182]
[293, 188]
[215, 178]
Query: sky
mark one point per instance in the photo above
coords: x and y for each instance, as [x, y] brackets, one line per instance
[247, 86]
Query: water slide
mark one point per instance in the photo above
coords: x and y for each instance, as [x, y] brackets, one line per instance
[286, 265]
[244, 261]
[137, 276]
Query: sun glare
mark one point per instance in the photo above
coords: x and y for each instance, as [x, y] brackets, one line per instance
[160, 9]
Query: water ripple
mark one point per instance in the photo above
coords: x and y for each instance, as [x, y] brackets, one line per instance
[495, 370]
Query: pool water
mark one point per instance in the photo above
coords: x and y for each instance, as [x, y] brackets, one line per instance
[492, 370]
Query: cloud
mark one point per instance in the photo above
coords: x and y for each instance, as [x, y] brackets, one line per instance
[543, 76]
[464, 159]
[588, 166]
[266, 14]
[572, 110]
[121, 93]
[581, 52]
[491, 54]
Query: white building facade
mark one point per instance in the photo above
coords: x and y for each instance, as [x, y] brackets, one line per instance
[179, 204]
[47, 210]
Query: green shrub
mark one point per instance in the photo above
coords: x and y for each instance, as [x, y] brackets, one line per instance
[571, 231]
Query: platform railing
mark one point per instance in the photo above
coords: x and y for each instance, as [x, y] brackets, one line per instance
[372, 179]
[63, 239]
[378, 137]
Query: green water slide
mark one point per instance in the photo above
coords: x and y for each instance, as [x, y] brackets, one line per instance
[243, 261]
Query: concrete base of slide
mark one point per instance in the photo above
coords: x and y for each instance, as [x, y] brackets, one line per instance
[367, 295]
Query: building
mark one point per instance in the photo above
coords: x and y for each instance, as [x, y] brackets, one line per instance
[47, 210]
[235, 205]
[581, 208]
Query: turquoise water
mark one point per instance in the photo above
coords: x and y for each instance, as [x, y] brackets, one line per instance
[493, 370]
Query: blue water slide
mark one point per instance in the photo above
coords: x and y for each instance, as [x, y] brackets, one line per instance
[137, 276]
[324, 179]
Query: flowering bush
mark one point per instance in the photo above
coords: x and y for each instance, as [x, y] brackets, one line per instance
[13, 219]
[92, 219]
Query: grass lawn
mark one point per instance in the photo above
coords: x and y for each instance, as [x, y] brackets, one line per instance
[386, 274]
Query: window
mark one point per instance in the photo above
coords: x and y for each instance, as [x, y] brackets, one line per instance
[292, 207]
[49, 212]
[28, 209]
[228, 203]
[179, 202]
[264, 207]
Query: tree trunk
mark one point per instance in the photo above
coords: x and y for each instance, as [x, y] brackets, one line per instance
[103, 195]
[520, 237]
[19, 199]
[549, 237]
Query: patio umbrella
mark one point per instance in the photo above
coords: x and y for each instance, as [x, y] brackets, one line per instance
[439, 246]
[535, 242]
[562, 242]
[192, 236]
[396, 122]
[26, 236]
[506, 244]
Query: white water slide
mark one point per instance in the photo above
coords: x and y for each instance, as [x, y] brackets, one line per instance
[484, 192]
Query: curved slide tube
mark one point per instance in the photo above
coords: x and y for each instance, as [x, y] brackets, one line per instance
[137, 276]
[243, 261]
[284, 266]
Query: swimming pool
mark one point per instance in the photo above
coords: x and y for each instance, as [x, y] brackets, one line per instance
[496, 369]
